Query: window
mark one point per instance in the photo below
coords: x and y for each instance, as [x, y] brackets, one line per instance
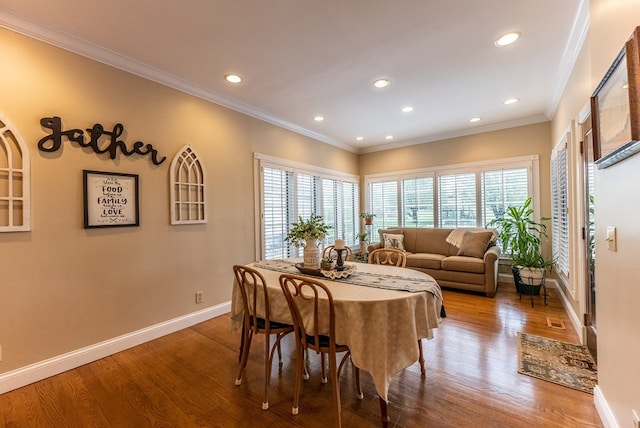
[451, 196]
[417, 202]
[457, 198]
[384, 203]
[559, 209]
[289, 190]
[501, 189]
[277, 211]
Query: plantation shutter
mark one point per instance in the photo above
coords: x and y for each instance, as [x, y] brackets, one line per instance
[384, 204]
[350, 213]
[417, 202]
[457, 200]
[559, 209]
[277, 204]
[331, 210]
[501, 189]
[307, 199]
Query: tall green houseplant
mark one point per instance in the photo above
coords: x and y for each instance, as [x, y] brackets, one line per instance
[521, 238]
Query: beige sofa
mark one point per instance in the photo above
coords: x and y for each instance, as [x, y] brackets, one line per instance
[475, 269]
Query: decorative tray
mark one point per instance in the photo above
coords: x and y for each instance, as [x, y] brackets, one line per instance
[333, 274]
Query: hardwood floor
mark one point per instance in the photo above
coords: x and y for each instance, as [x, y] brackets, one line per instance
[186, 379]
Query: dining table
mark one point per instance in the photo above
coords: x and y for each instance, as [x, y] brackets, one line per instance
[381, 312]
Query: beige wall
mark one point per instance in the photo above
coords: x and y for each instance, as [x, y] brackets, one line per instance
[617, 197]
[512, 142]
[618, 317]
[63, 287]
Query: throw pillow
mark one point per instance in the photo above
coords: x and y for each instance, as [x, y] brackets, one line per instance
[394, 241]
[474, 244]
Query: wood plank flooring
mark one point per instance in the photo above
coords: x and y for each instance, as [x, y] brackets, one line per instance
[186, 379]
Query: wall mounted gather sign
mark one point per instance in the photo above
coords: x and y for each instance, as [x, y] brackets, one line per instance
[110, 199]
[96, 137]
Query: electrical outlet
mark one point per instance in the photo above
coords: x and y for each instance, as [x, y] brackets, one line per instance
[199, 296]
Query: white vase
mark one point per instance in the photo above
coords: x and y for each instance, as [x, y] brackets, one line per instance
[311, 254]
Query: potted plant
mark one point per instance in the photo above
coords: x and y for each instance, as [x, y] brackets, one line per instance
[325, 264]
[368, 218]
[521, 238]
[363, 238]
[307, 233]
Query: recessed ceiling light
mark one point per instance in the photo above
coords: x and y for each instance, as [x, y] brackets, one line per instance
[507, 39]
[511, 101]
[318, 118]
[389, 137]
[381, 83]
[407, 109]
[359, 138]
[475, 119]
[232, 78]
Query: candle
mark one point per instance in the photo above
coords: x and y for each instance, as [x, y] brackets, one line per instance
[339, 244]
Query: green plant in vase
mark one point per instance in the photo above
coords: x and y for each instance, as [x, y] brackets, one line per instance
[521, 238]
[307, 233]
[368, 218]
[363, 239]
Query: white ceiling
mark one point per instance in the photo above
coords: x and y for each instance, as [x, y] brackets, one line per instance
[302, 58]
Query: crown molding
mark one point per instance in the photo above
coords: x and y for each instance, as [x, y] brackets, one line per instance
[459, 133]
[89, 50]
[577, 37]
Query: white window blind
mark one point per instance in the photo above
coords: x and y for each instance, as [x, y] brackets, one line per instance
[288, 193]
[277, 215]
[457, 206]
[330, 209]
[307, 195]
[501, 189]
[559, 209]
[466, 195]
[418, 202]
[384, 203]
[350, 212]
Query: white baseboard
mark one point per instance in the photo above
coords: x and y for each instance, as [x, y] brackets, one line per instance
[34, 372]
[573, 317]
[604, 411]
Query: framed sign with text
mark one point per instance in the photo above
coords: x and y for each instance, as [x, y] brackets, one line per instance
[110, 199]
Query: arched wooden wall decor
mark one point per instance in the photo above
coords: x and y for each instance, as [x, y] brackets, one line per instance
[187, 184]
[15, 180]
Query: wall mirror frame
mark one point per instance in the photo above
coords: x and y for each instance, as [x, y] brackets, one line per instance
[615, 107]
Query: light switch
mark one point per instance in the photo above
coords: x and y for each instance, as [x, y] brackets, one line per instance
[611, 238]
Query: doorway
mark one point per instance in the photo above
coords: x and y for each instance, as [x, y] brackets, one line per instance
[590, 318]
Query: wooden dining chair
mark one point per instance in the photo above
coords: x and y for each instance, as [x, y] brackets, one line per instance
[329, 253]
[309, 301]
[388, 256]
[253, 289]
[395, 257]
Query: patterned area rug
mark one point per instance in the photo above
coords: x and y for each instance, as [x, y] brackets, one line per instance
[558, 362]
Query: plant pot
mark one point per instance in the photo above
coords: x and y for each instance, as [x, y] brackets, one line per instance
[528, 280]
[368, 221]
[363, 248]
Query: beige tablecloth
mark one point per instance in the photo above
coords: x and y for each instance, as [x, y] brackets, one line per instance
[381, 327]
